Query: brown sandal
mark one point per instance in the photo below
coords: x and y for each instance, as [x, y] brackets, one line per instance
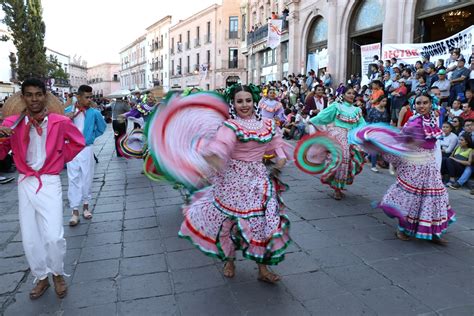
[268, 277]
[60, 286]
[229, 269]
[39, 289]
[402, 236]
[440, 241]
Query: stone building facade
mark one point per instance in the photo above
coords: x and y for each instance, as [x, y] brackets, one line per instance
[133, 65]
[104, 78]
[334, 30]
[205, 48]
[158, 56]
[77, 73]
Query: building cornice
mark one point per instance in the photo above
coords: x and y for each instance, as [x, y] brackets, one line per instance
[195, 17]
[135, 42]
[162, 21]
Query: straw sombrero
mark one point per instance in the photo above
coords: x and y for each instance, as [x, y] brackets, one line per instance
[15, 104]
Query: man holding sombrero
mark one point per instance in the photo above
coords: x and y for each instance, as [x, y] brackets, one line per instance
[80, 171]
[42, 141]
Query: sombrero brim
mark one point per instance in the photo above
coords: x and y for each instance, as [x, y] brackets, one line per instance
[15, 104]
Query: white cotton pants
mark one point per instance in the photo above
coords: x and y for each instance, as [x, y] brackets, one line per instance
[41, 223]
[80, 173]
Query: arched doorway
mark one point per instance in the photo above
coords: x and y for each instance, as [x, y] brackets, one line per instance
[365, 28]
[316, 45]
[438, 19]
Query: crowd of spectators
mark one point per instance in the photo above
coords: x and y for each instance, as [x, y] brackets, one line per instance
[388, 97]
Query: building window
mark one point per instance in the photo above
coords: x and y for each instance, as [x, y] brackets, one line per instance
[172, 67]
[233, 27]
[188, 62]
[284, 52]
[172, 46]
[188, 40]
[197, 39]
[208, 57]
[208, 34]
[233, 58]
[197, 61]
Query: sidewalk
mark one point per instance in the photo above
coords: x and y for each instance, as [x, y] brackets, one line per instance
[345, 259]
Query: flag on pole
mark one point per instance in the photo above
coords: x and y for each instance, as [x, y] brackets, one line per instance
[274, 33]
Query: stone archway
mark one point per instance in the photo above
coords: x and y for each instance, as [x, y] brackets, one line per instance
[365, 27]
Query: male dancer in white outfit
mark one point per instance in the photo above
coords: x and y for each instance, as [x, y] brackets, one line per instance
[42, 143]
[80, 171]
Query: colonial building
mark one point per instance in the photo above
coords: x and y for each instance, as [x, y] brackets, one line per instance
[205, 48]
[104, 78]
[133, 65]
[77, 73]
[158, 56]
[334, 30]
[59, 86]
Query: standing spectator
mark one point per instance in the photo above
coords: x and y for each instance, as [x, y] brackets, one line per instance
[294, 93]
[440, 65]
[432, 76]
[399, 97]
[119, 125]
[310, 79]
[471, 73]
[458, 80]
[315, 102]
[444, 86]
[378, 114]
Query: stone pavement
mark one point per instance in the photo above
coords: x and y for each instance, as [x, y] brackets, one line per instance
[344, 260]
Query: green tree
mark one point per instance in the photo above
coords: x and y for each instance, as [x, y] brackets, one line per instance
[55, 69]
[25, 22]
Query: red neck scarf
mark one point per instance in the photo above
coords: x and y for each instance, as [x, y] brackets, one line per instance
[35, 121]
[80, 109]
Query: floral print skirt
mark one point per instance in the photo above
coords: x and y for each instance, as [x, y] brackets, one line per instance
[351, 165]
[418, 199]
[241, 210]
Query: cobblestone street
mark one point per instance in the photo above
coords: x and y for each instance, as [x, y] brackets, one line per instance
[345, 259]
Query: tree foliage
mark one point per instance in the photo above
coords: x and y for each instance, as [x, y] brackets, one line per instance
[25, 22]
[55, 69]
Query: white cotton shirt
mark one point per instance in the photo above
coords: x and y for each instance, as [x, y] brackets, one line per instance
[36, 152]
[448, 143]
[319, 103]
[79, 121]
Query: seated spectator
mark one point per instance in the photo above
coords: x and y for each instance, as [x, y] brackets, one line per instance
[455, 110]
[449, 140]
[467, 113]
[468, 128]
[289, 128]
[460, 158]
[377, 92]
[458, 124]
[422, 86]
[469, 98]
[315, 102]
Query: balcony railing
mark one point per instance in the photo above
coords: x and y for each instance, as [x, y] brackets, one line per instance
[207, 38]
[197, 42]
[188, 45]
[257, 35]
[231, 64]
[179, 47]
[232, 34]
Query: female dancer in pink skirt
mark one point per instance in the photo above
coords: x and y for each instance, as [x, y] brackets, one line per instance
[343, 116]
[242, 209]
[419, 199]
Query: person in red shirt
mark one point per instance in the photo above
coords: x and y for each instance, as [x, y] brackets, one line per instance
[467, 113]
